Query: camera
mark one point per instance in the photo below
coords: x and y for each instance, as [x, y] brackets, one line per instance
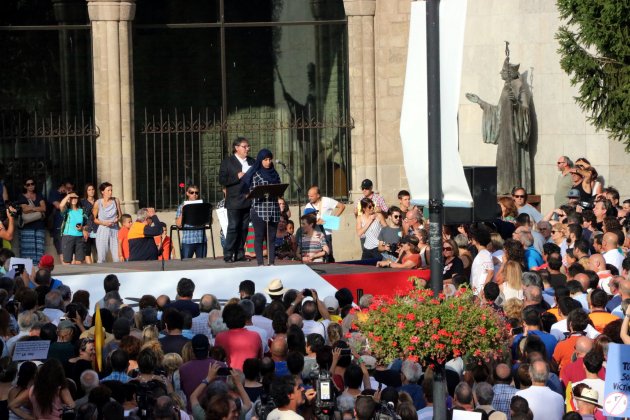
[586, 205]
[224, 371]
[17, 209]
[307, 292]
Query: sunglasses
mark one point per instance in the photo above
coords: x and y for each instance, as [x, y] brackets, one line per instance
[369, 207]
[555, 231]
[193, 192]
[29, 184]
[396, 217]
[447, 248]
[559, 163]
[518, 196]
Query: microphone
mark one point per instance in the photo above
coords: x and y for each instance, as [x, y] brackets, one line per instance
[279, 162]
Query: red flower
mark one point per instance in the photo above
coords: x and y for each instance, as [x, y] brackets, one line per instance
[410, 317]
[182, 185]
[482, 331]
[414, 339]
[401, 324]
[394, 344]
[412, 358]
[435, 321]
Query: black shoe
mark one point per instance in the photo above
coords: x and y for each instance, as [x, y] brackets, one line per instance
[228, 260]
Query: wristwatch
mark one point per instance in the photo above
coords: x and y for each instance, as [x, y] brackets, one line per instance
[205, 382]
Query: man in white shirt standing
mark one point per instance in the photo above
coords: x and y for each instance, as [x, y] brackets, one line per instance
[520, 199]
[325, 206]
[287, 396]
[610, 247]
[482, 269]
[543, 401]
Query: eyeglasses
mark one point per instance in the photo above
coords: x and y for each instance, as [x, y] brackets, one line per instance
[193, 192]
[559, 163]
[369, 207]
[29, 184]
[245, 146]
[446, 248]
[554, 231]
[518, 196]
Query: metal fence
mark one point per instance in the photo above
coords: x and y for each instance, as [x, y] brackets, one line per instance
[47, 148]
[177, 148]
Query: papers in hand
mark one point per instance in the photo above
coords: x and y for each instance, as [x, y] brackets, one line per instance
[331, 222]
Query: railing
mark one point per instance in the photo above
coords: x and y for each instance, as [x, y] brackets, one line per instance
[48, 149]
[177, 148]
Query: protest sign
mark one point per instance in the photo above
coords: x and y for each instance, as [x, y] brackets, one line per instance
[617, 388]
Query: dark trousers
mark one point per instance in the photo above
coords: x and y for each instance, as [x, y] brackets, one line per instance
[260, 233]
[238, 221]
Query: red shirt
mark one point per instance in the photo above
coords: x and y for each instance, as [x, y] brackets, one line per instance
[239, 345]
[167, 246]
[574, 372]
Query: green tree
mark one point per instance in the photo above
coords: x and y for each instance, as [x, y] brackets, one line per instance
[595, 53]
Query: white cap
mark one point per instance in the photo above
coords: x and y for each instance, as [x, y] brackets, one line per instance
[331, 303]
[307, 299]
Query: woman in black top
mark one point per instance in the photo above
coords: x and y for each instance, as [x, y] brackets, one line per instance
[265, 212]
[452, 264]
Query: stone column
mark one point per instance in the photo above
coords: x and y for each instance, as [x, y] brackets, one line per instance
[113, 96]
[361, 59]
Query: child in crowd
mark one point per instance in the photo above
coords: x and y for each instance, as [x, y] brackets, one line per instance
[123, 242]
[165, 242]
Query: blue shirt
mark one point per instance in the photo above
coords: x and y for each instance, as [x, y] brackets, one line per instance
[532, 258]
[73, 218]
[117, 376]
[548, 340]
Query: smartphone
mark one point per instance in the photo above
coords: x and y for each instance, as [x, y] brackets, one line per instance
[517, 330]
[19, 269]
[223, 371]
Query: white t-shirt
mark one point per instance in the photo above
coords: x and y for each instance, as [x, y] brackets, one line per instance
[559, 328]
[326, 206]
[597, 385]
[481, 266]
[276, 414]
[544, 403]
[244, 163]
[319, 327]
[614, 257]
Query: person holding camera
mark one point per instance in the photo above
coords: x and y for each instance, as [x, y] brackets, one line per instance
[6, 232]
[390, 235]
[73, 229]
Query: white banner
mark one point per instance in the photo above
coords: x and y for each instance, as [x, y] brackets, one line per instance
[414, 116]
[221, 282]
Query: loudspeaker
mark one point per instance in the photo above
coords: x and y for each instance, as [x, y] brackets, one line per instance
[482, 181]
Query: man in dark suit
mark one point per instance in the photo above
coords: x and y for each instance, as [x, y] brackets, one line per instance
[232, 170]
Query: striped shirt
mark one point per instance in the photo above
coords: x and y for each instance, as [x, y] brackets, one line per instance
[312, 244]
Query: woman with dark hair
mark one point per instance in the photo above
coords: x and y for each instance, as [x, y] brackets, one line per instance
[452, 263]
[106, 214]
[408, 255]
[32, 233]
[87, 202]
[369, 225]
[8, 370]
[85, 361]
[265, 212]
[25, 379]
[73, 230]
[49, 393]
[285, 242]
[311, 242]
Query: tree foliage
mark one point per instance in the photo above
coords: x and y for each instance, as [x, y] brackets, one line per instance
[595, 53]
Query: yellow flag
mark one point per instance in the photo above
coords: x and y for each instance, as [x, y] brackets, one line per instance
[98, 338]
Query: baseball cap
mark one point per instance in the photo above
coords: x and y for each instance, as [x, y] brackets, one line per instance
[366, 184]
[573, 193]
[307, 299]
[309, 210]
[47, 262]
[200, 346]
[331, 303]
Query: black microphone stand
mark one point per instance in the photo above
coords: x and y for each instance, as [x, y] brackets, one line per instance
[298, 188]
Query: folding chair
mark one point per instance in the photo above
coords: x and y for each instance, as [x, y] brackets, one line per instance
[199, 216]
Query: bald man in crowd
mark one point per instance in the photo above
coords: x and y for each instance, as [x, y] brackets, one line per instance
[624, 292]
[279, 350]
[597, 263]
[503, 389]
[574, 371]
[612, 253]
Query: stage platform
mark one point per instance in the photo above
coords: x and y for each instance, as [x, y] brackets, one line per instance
[222, 279]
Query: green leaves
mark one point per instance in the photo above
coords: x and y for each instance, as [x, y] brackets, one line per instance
[595, 53]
